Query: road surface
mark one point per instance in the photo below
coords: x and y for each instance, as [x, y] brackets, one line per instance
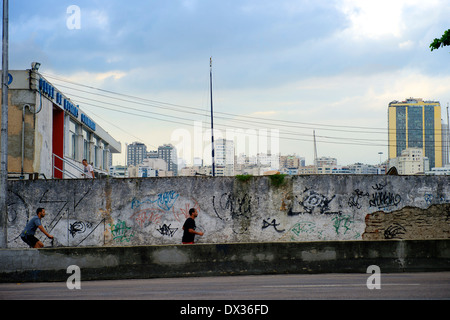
[259, 288]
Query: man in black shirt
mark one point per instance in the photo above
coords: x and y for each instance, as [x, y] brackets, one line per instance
[189, 228]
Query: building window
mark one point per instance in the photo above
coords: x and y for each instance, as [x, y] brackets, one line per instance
[86, 141]
[400, 129]
[415, 127]
[96, 149]
[430, 143]
[72, 139]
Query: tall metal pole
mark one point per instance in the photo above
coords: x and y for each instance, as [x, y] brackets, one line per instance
[315, 153]
[4, 132]
[448, 137]
[212, 119]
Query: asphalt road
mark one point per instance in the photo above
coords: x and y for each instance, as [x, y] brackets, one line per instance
[236, 288]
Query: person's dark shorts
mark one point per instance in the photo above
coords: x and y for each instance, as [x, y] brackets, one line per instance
[30, 240]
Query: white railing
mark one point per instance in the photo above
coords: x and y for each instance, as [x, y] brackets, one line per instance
[66, 174]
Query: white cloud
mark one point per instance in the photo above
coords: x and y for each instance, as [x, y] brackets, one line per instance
[375, 19]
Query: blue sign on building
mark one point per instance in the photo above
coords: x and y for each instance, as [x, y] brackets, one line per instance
[47, 89]
[71, 108]
[88, 122]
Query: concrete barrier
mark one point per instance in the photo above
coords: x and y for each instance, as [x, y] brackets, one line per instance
[142, 262]
[151, 211]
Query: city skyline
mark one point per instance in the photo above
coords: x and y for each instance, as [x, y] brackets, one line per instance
[292, 66]
[226, 155]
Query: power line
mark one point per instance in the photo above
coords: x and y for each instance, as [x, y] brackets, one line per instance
[183, 118]
[190, 110]
[166, 105]
[221, 125]
[254, 133]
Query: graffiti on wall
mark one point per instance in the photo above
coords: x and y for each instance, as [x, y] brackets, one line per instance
[166, 230]
[342, 224]
[164, 200]
[311, 202]
[168, 205]
[161, 215]
[304, 227]
[61, 220]
[230, 206]
[79, 227]
[378, 197]
[273, 223]
[121, 232]
[235, 209]
[335, 227]
[394, 231]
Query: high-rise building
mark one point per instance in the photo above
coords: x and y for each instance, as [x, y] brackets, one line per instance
[136, 153]
[445, 144]
[224, 157]
[168, 153]
[415, 123]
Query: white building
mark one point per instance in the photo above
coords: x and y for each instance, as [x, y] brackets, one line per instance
[150, 167]
[224, 157]
[118, 171]
[444, 171]
[49, 135]
[411, 161]
[361, 168]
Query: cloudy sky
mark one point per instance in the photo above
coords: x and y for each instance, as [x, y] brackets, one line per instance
[289, 65]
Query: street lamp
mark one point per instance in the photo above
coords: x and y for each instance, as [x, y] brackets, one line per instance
[35, 66]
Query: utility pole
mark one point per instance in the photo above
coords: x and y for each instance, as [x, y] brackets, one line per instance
[315, 152]
[212, 119]
[4, 132]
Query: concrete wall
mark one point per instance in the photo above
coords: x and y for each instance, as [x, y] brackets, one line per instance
[100, 263]
[17, 99]
[124, 212]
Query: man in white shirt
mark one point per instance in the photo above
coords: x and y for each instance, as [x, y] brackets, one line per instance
[88, 170]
